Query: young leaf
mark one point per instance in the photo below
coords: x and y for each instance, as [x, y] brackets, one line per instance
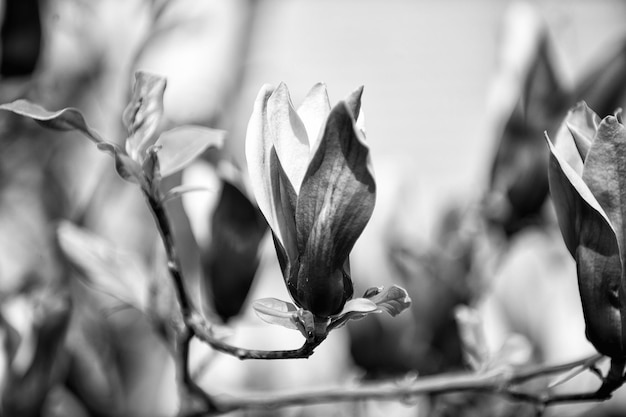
[181, 145]
[127, 168]
[354, 309]
[65, 119]
[275, 311]
[119, 274]
[142, 116]
[393, 300]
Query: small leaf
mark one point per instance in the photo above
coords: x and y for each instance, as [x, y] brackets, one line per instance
[178, 191]
[181, 145]
[127, 168]
[393, 300]
[65, 119]
[354, 309]
[275, 311]
[143, 113]
[119, 274]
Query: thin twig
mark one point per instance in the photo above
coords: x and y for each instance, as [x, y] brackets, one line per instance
[203, 332]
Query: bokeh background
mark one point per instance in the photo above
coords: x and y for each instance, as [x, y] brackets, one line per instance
[442, 80]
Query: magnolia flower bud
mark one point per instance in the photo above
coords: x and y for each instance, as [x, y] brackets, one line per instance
[588, 184]
[311, 174]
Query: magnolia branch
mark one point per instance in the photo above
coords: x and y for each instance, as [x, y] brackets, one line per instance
[504, 382]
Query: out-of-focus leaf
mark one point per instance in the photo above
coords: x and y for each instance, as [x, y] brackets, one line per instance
[231, 259]
[114, 272]
[470, 324]
[65, 119]
[181, 145]
[127, 168]
[94, 375]
[394, 300]
[25, 394]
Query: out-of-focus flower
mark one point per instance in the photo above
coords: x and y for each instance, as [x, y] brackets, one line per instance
[588, 185]
[311, 174]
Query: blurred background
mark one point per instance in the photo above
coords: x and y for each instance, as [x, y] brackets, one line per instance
[457, 96]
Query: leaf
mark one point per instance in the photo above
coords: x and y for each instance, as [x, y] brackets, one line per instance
[127, 168]
[181, 145]
[230, 260]
[275, 311]
[354, 309]
[471, 332]
[393, 300]
[119, 274]
[65, 119]
[143, 113]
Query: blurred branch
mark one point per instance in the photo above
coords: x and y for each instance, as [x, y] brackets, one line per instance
[502, 381]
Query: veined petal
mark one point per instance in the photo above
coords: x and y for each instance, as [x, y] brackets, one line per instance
[605, 173]
[313, 112]
[338, 192]
[284, 199]
[288, 135]
[582, 122]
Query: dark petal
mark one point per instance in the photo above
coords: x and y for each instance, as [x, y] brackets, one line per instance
[334, 205]
[605, 173]
[338, 193]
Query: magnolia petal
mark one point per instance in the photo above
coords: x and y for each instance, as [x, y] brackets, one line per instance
[599, 271]
[338, 193]
[258, 149]
[143, 113]
[605, 173]
[313, 112]
[288, 135]
[565, 146]
[353, 101]
[573, 201]
[582, 122]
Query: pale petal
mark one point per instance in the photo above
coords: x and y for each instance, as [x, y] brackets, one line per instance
[582, 122]
[288, 135]
[573, 201]
[313, 112]
[258, 148]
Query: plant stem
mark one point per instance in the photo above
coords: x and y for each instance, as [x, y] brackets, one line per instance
[502, 382]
